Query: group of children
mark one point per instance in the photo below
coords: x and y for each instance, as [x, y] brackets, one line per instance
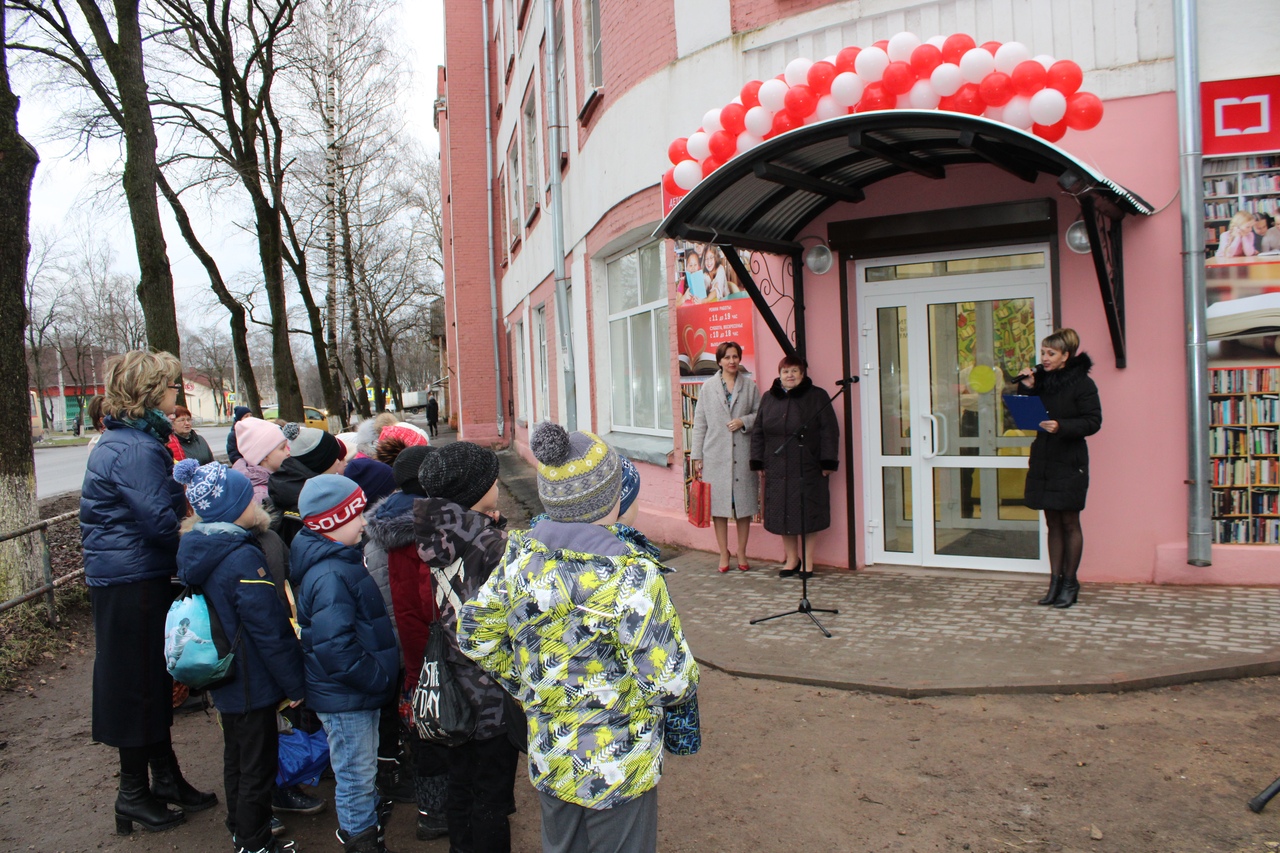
[562, 637]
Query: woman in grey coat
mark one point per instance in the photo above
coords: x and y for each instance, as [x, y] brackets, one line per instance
[721, 449]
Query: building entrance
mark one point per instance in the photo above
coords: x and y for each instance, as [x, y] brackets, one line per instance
[941, 338]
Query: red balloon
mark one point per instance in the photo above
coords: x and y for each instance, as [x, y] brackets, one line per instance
[967, 100]
[733, 118]
[709, 165]
[1084, 111]
[1065, 76]
[678, 151]
[723, 145]
[996, 89]
[821, 73]
[948, 103]
[1050, 133]
[750, 94]
[782, 122]
[956, 46]
[669, 182]
[874, 97]
[1029, 77]
[800, 102]
[898, 78]
[925, 58]
[845, 59]
[883, 44]
[991, 47]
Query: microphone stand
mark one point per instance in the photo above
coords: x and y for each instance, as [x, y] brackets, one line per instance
[804, 607]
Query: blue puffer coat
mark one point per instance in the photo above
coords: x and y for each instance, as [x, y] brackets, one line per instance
[351, 656]
[226, 562]
[130, 508]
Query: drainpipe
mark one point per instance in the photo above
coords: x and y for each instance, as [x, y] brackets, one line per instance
[564, 316]
[1187, 71]
[493, 272]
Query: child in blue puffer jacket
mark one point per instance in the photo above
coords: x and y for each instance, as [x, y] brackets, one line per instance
[351, 658]
[219, 552]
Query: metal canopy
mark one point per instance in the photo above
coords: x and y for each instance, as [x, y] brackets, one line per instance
[763, 199]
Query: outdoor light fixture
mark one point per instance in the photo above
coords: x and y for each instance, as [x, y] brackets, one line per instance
[1078, 237]
[818, 259]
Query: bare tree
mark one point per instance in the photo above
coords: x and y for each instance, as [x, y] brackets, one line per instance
[210, 353]
[44, 292]
[17, 464]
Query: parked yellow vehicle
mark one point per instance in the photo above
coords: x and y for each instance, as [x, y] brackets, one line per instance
[317, 418]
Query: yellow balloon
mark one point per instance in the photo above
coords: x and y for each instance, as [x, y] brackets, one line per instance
[982, 379]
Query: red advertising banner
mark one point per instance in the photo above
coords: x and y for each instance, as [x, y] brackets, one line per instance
[704, 326]
[1240, 116]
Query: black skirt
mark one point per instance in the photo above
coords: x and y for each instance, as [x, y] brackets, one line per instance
[132, 691]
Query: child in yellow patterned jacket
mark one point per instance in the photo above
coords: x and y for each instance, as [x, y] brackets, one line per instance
[577, 624]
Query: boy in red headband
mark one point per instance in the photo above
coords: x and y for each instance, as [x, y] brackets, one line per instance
[348, 647]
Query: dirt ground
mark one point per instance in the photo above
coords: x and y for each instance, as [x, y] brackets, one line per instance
[783, 768]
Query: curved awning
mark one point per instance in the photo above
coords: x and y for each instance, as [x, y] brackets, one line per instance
[764, 198]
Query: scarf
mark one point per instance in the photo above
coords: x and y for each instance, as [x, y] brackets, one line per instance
[153, 422]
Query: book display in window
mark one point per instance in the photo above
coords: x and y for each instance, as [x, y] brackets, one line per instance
[1232, 184]
[1244, 422]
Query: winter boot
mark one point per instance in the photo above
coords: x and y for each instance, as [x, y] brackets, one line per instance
[393, 783]
[1055, 586]
[364, 842]
[275, 845]
[431, 792]
[134, 804]
[168, 786]
[295, 801]
[1067, 595]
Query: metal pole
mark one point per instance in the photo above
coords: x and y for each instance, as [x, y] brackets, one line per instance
[564, 316]
[51, 599]
[493, 272]
[1187, 71]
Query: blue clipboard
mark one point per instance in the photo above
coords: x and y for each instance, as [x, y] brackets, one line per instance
[1027, 411]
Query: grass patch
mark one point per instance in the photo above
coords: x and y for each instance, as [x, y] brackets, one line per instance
[25, 639]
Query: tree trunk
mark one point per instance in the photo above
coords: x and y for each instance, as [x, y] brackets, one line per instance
[20, 566]
[353, 292]
[271, 252]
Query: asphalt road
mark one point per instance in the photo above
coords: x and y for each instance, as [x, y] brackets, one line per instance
[61, 469]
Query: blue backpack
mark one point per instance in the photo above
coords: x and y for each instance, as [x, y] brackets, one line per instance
[196, 651]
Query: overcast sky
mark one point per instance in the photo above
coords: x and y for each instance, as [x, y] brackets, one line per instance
[65, 186]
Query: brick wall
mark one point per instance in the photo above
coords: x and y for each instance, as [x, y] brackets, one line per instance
[753, 14]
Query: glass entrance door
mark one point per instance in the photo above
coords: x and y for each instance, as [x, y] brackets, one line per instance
[942, 338]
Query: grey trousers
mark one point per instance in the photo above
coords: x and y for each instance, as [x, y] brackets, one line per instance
[628, 828]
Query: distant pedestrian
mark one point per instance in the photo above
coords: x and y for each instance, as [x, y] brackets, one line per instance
[433, 415]
[193, 445]
[238, 414]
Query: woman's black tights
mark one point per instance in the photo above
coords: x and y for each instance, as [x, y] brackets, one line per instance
[1066, 542]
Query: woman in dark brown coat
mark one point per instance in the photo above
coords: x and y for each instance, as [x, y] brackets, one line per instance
[797, 500]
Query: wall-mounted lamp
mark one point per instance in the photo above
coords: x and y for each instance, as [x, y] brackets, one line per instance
[1078, 237]
[817, 258]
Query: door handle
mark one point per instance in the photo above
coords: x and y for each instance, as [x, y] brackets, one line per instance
[933, 437]
[940, 419]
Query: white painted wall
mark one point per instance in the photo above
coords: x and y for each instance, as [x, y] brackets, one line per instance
[1238, 41]
[701, 23]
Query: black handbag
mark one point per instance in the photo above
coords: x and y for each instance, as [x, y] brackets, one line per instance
[441, 710]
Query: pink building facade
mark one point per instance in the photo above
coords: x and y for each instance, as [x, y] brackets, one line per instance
[933, 327]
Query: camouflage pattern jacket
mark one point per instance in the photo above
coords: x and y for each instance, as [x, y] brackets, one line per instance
[462, 547]
[577, 624]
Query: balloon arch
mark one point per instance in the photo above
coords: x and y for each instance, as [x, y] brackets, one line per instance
[1003, 82]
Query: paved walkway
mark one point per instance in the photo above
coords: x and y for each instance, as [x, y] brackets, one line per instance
[914, 633]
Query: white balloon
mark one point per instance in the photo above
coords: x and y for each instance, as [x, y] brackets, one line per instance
[901, 45]
[773, 95]
[687, 174]
[847, 88]
[797, 71]
[1048, 106]
[922, 96]
[831, 59]
[1018, 112]
[976, 64]
[699, 145]
[1009, 54]
[870, 64]
[937, 41]
[947, 79]
[1045, 59]
[758, 121]
[829, 107]
[711, 121]
[748, 140]
[994, 113]
[737, 99]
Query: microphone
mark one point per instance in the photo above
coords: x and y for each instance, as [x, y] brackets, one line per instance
[847, 381]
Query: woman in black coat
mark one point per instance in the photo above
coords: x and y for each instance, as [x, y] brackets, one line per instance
[1058, 473]
[796, 498]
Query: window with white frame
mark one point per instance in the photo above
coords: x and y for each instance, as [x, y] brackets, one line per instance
[639, 347]
[513, 190]
[543, 412]
[522, 371]
[593, 55]
[530, 154]
[562, 86]
[509, 24]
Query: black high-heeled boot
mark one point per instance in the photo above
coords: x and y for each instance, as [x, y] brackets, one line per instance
[1067, 595]
[134, 804]
[168, 786]
[1055, 586]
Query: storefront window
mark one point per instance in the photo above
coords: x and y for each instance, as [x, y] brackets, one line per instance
[639, 347]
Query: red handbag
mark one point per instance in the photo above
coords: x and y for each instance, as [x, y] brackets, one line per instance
[699, 503]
